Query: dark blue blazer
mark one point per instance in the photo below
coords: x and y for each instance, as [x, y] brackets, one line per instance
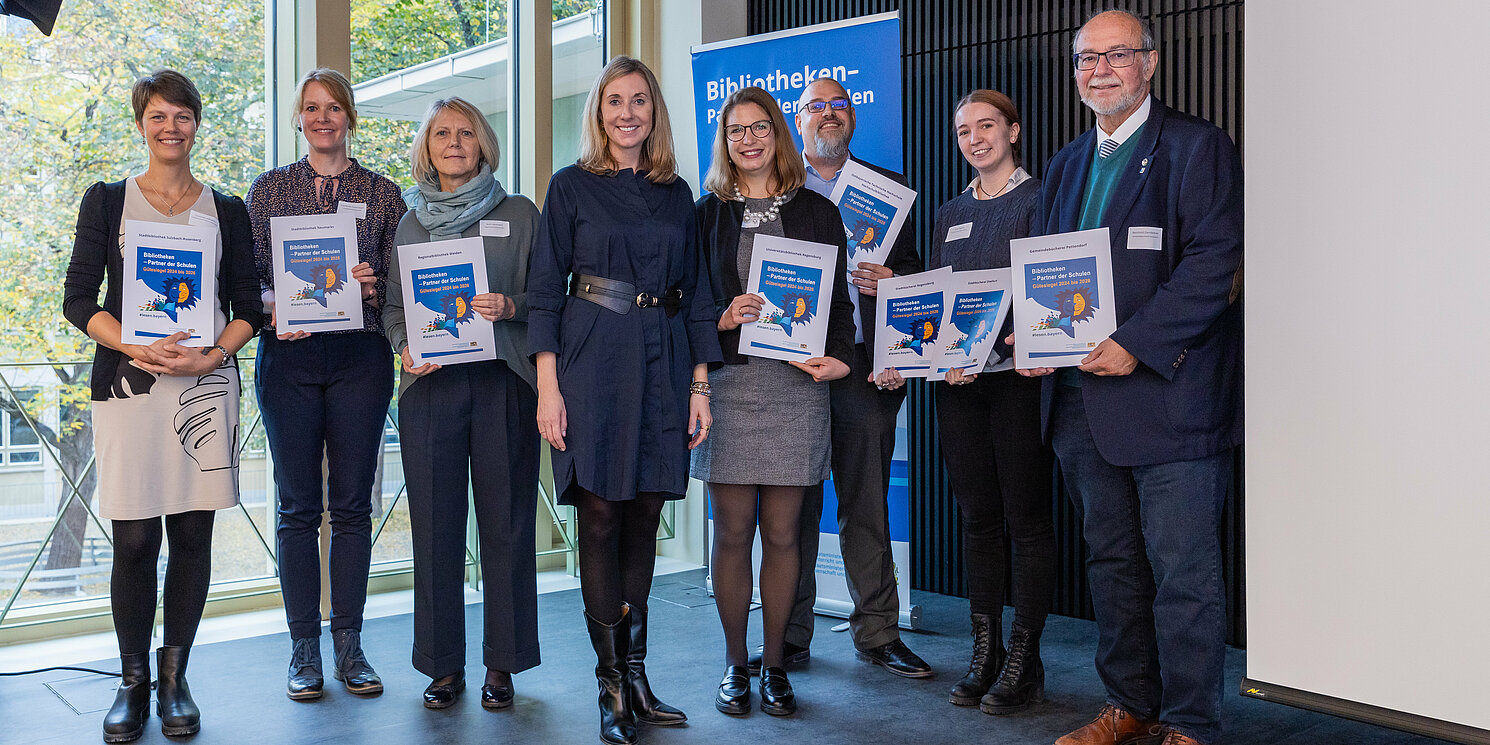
[1178, 308]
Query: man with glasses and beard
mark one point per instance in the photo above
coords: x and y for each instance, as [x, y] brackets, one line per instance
[1144, 428]
[863, 426]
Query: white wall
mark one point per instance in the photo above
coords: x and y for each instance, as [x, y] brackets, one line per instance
[1368, 264]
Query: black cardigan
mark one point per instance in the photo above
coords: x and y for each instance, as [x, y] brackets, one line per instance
[96, 249]
[809, 216]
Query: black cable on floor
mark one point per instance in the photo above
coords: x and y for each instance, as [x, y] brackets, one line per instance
[61, 667]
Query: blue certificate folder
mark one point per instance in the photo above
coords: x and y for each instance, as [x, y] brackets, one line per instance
[918, 321]
[792, 277]
[866, 219]
[175, 277]
[1067, 291]
[321, 264]
[446, 291]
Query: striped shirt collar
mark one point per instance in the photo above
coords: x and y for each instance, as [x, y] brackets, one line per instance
[1128, 127]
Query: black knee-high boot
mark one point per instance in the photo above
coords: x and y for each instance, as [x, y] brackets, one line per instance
[126, 718]
[644, 704]
[179, 715]
[611, 642]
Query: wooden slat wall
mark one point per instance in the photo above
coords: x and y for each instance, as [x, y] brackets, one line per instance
[1022, 48]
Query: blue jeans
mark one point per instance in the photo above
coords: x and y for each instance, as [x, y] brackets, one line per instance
[325, 394]
[1154, 565]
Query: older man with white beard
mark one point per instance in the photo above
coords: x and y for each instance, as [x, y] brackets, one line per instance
[863, 427]
[1144, 427]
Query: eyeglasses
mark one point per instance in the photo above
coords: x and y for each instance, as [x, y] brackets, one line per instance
[736, 132]
[816, 107]
[1115, 58]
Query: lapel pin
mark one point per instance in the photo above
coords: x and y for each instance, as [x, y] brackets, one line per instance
[1143, 167]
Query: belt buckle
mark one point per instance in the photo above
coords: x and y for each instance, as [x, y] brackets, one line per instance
[645, 300]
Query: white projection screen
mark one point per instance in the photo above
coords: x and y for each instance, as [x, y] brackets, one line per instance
[1368, 398]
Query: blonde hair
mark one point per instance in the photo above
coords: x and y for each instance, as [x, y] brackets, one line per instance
[657, 156]
[423, 167]
[787, 170]
[336, 84]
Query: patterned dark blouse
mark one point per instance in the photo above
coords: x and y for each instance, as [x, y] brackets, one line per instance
[291, 190]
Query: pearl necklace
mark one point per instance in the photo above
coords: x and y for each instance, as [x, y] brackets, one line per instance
[769, 215]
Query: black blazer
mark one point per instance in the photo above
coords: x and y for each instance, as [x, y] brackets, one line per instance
[902, 260]
[96, 248]
[809, 216]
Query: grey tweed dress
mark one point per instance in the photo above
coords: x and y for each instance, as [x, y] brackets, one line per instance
[771, 420]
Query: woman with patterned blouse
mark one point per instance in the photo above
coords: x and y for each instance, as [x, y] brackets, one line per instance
[326, 393]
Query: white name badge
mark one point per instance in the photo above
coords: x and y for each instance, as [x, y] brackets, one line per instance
[1146, 239]
[958, 232]
[496, 228]
[355, 209]
[202, 220]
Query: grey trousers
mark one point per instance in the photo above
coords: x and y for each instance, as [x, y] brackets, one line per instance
[863, 444]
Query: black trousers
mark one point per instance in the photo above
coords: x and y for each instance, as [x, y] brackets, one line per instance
[1000, 471]
[476, 420]
[325, 394]
[863, 443]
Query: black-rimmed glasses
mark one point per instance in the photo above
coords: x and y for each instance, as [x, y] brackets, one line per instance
[736, 132]
[816, 107]
[1115, 58]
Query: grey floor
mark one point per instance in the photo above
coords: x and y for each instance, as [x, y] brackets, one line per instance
[239, 686]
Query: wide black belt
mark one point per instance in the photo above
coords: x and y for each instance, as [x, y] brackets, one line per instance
[621, 297]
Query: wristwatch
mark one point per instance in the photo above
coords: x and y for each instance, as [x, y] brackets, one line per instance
[225, 356]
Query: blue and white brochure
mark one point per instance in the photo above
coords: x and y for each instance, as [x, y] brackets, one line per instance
[873, 209]
[796, 280]
[975, 313]
[313, 285]
[440, 280]
[1064, 304]
[910, 313]
[170, 283]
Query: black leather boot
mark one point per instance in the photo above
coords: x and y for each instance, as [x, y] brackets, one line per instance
[305, 679]
[644, 704]
[179, 715]
[988, 657]
[617, 726]
[1022, 681]
[126, 718]
[350, 666]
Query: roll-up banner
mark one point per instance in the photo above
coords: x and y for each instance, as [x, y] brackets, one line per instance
[863, 54]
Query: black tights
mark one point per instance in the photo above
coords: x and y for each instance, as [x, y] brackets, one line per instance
[188, 571]
[736, 510]
[617, 551]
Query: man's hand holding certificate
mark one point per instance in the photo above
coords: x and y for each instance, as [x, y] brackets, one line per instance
[1064, 303]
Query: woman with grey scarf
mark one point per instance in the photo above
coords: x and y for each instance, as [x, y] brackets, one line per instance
[472, 420]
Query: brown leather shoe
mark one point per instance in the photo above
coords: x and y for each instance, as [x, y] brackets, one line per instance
[1113, 726]
[1173, 737]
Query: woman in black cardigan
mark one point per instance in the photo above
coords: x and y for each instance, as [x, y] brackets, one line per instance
[165, 415]
[770, 438]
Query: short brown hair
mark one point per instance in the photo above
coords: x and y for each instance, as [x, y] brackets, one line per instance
[171, 86]
[786, 167]
[1005, 106]
[336, 84]
[423, 167]
[658, 158]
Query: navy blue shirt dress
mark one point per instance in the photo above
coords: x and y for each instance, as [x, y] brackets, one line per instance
[624, 378]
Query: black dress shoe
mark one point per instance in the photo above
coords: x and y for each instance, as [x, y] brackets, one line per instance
[442, 693]
[791, 656]
[305, 679]
[777, 697]
[497, 692]
[898, 659]
[734, 691]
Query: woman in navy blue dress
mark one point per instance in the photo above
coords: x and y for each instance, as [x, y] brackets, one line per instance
[622, 352]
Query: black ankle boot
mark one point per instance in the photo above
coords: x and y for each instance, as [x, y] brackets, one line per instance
[988, 657]
[1022, 681]
[644, 704]
[126, 718]
[179, 715]
[350, 665]
[617, 725]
